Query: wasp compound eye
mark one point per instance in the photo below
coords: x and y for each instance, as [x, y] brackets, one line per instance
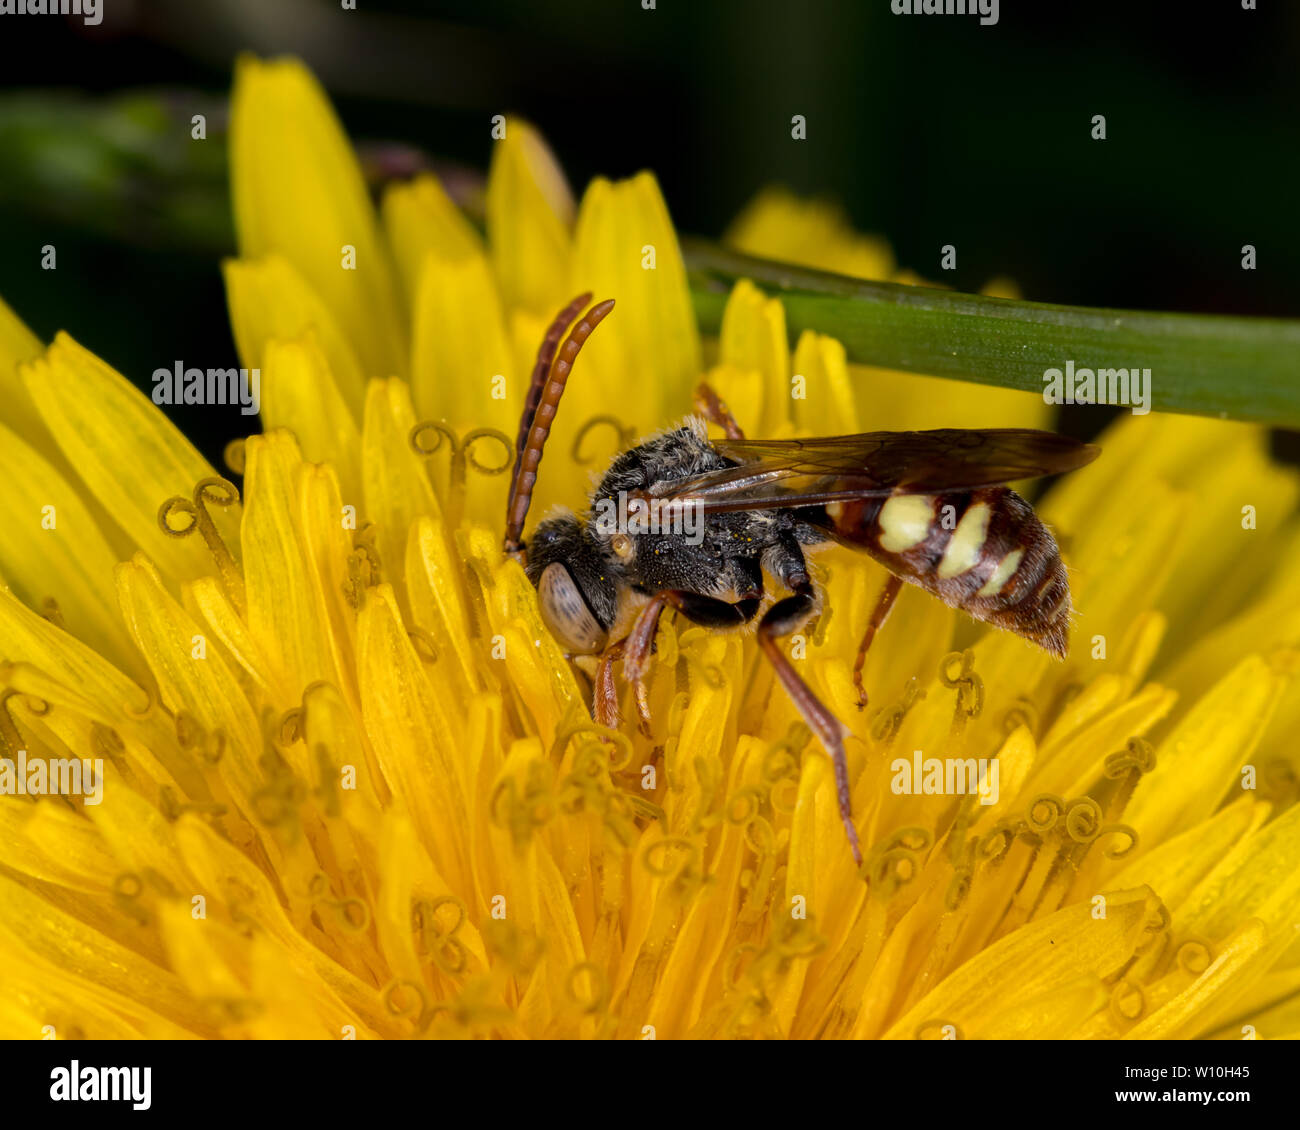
[566, 613]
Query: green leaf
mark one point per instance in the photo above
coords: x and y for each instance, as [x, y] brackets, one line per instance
[1204, 365]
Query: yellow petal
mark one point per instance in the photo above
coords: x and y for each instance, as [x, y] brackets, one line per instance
[39, 1002]
[398, 849]
[1197, 764]
[286, 615]
[298, 192]
[281, 986]
[461, 359]
[1270, 621]
[644, 361]
[27, 637]
[1259, 877]
[826, 405]
[205, 687]
[129, 455]
[142, 840]
[1173, 868]
[208, 601]
[397, 489]
[200, 965]
[233, 882]
[52, 548]
[19, 345]
[269, 301]
[901, 401]
[1001, 286]
[415, 738]
[1054, 1015]
[776, 224]
[419, 218]
[529, 212]
[1269, 1010]
[327, 540]
[438, 602]
[1023, 964]
[1015, 763]
[53, 843]
[299, 393]
[1186, 1014]
[753, 340]
[1155, 449]
[84, 957]
[1076, 748]
[334, 724]
[1115, 573]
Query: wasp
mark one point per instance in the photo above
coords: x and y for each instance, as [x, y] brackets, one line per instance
[932, 507]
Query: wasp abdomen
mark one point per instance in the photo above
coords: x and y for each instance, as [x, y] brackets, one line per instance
[984, 551]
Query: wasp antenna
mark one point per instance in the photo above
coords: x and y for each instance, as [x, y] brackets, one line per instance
[549, 379]
[541, 369]
[542, 366]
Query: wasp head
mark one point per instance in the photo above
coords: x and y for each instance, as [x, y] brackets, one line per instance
[577, 584]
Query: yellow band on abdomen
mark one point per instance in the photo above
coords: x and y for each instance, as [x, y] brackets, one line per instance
[963, 549]
[905, 521]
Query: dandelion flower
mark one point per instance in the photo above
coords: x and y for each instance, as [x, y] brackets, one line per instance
[351, 786]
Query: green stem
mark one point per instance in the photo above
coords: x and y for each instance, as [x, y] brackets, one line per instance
[1205, 365]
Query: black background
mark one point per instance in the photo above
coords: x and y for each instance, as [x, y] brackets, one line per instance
[364, 1082]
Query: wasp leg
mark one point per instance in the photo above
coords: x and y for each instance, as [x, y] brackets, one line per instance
[781, 619]
[604, 692]
[710, 612]
[637, 646]
[883, 607]
[640, 645]
[712, 407]
[784, 617]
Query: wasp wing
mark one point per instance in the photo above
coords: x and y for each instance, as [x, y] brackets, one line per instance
[811, 472]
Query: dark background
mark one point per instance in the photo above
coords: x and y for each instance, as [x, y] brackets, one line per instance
[929, 130]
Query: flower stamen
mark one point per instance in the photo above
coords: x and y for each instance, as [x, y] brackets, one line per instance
[462, 456]
[212, 491]
[624, 436]
[886, 725]
[957, 672]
